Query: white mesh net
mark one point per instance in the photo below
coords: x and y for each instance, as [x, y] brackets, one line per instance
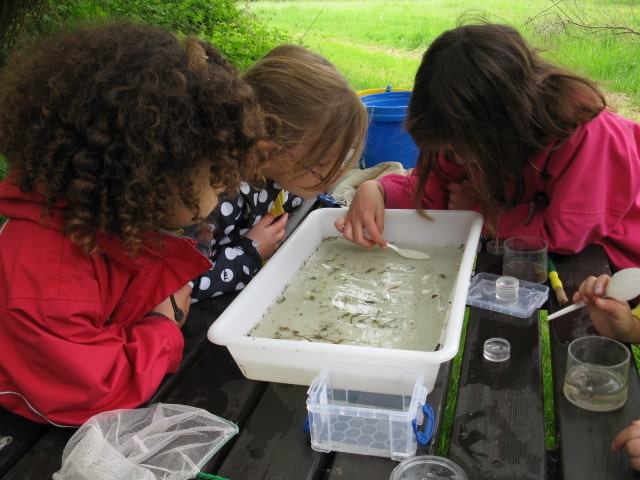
[163, 442]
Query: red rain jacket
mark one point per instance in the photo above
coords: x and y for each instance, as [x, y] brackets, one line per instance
[73, 337]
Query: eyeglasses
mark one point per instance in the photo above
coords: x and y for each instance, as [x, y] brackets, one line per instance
[322, 178]
[316, 175]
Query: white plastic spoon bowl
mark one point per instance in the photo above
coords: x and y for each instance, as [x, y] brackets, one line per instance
[624, 285]
[407, 253]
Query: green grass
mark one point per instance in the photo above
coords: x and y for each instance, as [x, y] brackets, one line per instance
[376, 43]
[547, 385]
[452, 394]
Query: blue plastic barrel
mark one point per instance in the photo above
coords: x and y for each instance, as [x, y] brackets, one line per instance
[387, 139]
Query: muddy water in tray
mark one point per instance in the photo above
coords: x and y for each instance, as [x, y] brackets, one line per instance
[346, 294]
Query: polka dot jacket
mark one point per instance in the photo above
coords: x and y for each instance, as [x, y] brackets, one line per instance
[235, 258]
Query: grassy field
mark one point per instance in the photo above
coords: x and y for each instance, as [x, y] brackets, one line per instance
[376, 43]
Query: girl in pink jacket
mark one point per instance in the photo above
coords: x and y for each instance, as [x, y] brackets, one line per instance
[115, 136]
[529, 145]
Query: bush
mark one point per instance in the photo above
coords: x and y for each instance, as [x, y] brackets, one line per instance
[236, 32]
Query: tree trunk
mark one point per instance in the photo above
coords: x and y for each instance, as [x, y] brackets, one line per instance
[13, 17]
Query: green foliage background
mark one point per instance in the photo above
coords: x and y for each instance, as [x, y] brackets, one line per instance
[233, 29]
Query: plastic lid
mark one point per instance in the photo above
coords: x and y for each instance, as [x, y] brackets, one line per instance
[428, 467]
[497, 349]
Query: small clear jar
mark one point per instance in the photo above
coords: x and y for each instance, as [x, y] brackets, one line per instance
[496, 349]
[507, 289]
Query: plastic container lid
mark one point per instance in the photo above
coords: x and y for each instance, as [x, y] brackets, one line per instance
[428, 467]
[497, 349]
[482, 293]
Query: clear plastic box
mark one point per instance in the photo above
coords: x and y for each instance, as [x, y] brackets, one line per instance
[528, 298]
[366, 409]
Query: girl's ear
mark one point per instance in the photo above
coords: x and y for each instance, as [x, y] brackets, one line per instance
[273, 153]
[267, 145]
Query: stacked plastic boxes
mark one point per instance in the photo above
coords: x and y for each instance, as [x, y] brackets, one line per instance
[366, 409]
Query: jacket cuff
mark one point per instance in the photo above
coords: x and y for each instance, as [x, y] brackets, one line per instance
[250, 249]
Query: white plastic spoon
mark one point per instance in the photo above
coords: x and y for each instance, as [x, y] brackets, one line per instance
[407, 253]
[624, 285]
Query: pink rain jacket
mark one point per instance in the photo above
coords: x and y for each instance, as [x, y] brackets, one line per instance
[73, 337]
[587, 191]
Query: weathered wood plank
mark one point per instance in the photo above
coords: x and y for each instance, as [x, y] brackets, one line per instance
[498, 430]
[272, 444]
[17, 436]
[44, 458]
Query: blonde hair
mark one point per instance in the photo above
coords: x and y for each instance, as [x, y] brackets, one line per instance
[320, 114]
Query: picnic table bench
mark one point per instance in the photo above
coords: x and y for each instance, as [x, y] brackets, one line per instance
[498, 429]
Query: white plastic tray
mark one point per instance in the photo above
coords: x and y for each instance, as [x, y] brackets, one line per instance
[298, 362]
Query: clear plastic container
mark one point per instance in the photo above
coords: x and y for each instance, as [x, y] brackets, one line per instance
[530, 296]
[428, 467]
[497, 349]
[507, 289]
[366, 409]
[494, 246]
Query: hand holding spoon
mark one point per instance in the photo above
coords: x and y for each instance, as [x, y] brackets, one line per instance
[624, 285]
[407, 253]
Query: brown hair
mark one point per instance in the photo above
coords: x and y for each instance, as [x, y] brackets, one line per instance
[483, 95]
[321, 115]
[103, 118]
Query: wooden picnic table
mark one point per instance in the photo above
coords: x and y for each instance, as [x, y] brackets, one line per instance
[498, 429]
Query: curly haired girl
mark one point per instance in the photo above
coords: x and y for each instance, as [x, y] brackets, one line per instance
[115, 135]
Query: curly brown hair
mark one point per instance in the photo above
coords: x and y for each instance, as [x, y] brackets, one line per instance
[102, 118]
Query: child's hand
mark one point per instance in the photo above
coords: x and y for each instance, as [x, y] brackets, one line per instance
[182, 299]
[204, 232]
[364, 222]
[462, 195]
[612, 318]
[629, 439]
[268, 233]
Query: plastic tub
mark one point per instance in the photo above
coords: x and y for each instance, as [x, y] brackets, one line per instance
[371, 91]
[387, 138]
[366, 409]
[299, 361]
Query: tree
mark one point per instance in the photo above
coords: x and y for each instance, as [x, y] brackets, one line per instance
[20, 19]
[570, 17]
